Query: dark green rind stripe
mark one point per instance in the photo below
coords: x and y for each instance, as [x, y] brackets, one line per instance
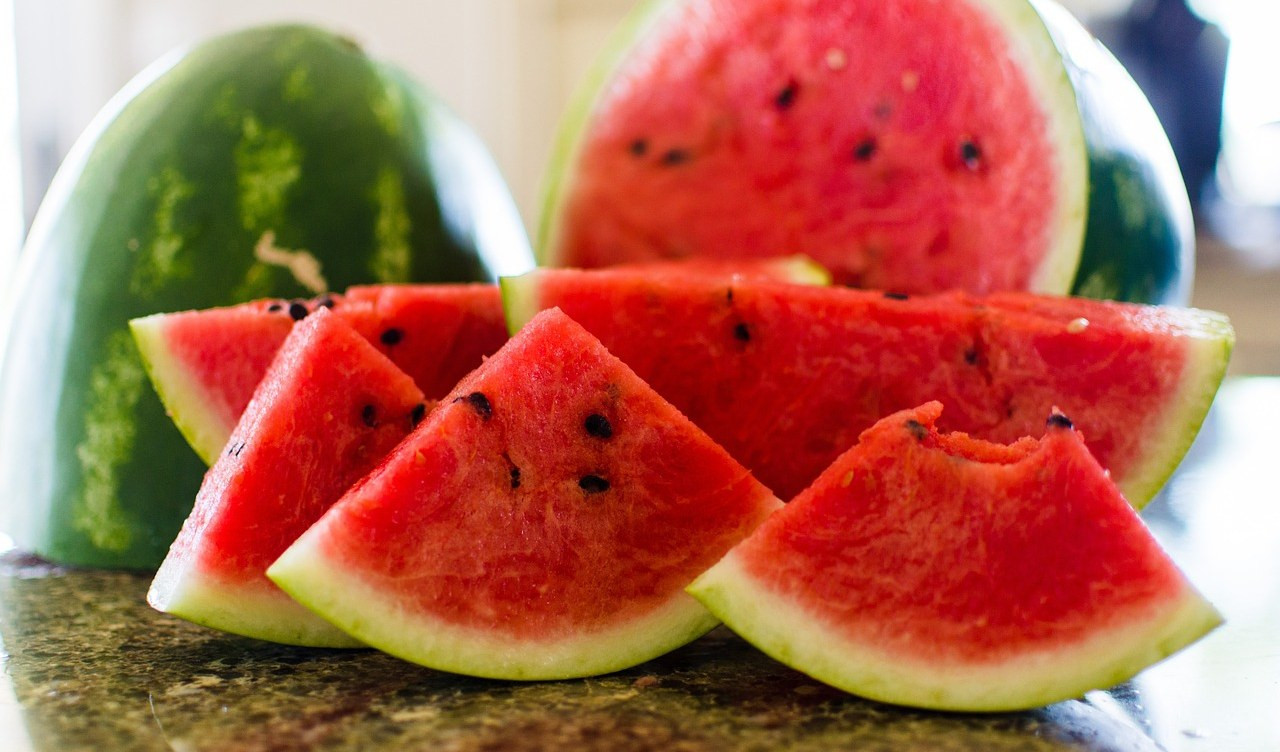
[1139, 241]
[159, 208]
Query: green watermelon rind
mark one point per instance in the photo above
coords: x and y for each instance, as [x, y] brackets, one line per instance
[331, 589]
[1211, 340]
[796, 638]
[1029, 36]
[246, 611]
[182, 397]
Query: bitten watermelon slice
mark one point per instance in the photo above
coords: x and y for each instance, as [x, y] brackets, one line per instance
[542, 523]
[941, 571]
[785, 378]
[328, 410]
[908, 145]
[206, 364]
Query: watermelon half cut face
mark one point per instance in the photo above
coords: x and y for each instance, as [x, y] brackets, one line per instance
[941, 571]
[907, 145]
[542, 523]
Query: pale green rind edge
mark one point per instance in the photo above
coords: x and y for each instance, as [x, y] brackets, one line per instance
[1210, 342]
[519, 299]
[335, 592]
[249, 611]
[1029, 35]
[797, 639]
[573, 124]
[183, 400]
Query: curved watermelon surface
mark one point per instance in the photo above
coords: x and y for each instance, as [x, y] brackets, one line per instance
[907, 145]
[786, 377]
[206, 364]
[542, 523]
[958, 574]
[317, 168]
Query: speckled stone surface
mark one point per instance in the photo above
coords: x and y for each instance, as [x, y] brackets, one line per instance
[92, 667]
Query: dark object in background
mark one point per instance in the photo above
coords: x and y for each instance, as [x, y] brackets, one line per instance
[1180, 61]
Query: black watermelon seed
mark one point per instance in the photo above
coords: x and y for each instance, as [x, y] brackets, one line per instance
[787, 97]
[865, 150]
[369, 414]
[970, 154]
[742, 333]
[598, 426]
[392, 336]
[1058, 420]
[515, 477]
[593, 484]
[419, 412]
[675, 157]
[298, 311]
[639, 147]
[897, 295]
[479, 403]
[917, 430]
[275, 307]
[728, 296]
[325, 302]
[971, 356]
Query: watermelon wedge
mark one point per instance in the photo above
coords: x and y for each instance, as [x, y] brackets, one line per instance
[542, 523]
[786, 377]
[330, 407]
[907, 145]
[205, 364]
[941, 571]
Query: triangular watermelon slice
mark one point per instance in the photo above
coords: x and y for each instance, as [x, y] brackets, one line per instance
[785, 378]
[945, 572]
[542, 523]
[328, 410]
[205, 364]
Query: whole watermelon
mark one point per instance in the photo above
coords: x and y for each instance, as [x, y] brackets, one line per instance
[907, 145]
[277, 161]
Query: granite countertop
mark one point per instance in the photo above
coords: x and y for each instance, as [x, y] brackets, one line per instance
[89, 666]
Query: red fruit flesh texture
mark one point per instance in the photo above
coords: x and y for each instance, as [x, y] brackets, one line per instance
[947, 549]
[445, 331]
[895, 141]
[303, 440]
[480, 518]
[786, 377]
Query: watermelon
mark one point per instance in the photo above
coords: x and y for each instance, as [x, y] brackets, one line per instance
[542, 523]
[317, 168]
[206, 364]
[908, 145]
[786, 377]
[942, 571]
[327, 411]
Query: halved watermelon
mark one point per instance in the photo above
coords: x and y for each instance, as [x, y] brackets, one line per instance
[542, 523]
[907, 145]
[945, 572]
[785, 378]
[328, 410]
[206, 364]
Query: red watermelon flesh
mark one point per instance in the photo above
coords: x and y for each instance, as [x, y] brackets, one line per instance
[206, 364]
[942, 571]
[901, 143]
[542, 523]
[785, 378]
[327, 411]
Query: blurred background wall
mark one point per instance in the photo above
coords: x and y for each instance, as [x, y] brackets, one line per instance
[510, 66]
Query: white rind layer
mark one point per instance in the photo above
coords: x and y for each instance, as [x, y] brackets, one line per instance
[783, 630]
[248, 610]
[183, 399]
[336, 592]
